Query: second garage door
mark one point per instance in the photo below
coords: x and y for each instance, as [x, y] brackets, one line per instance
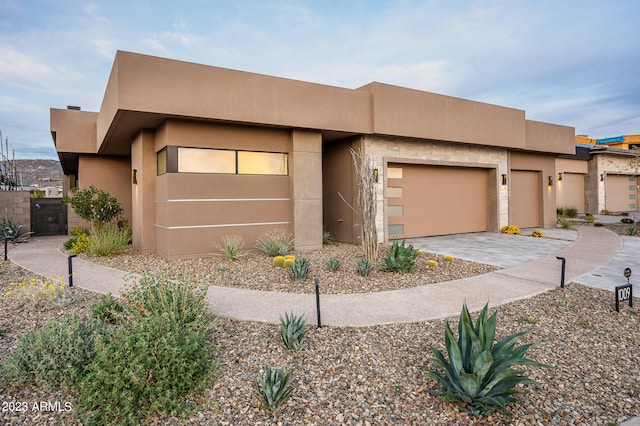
[435, 200]
[620, 193]
[525, 199]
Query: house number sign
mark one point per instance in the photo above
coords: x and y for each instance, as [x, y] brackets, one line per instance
[624, 292]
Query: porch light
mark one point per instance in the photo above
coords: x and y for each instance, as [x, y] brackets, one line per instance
[375, 175]
[550, 180]
[504, 179]
[601, 177]
[135, 177]
[559, 176]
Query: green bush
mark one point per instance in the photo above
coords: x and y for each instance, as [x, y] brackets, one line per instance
[68, 245]
[161, 354]
[565, 224]
[274, 243]
[300, 269]
[399, 258]
[571, 212]
[589, 217]
[559, 212]
[51, 357]
[478, 375]
[107, 310]
[633, 231]
[274, 387]
[327, 239]
[81, 244]
[108, 240]
[231, 246]
[94, 205]
[364, 267]
[333, 264]
[292, 331]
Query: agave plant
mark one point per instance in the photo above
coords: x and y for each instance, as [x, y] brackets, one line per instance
[364, 267]
[399, 258]
[333, 264]
[478, 374]
[300, 269]
[273, 387]
[292, 331]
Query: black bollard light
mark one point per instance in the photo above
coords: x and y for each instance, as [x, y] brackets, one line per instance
[70, 259]
[315, 280]
[5, 249]
[564, 262]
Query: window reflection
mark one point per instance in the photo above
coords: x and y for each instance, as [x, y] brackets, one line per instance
[195, 160]
[262, 163]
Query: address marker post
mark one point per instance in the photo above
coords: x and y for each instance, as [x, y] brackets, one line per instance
[315, 280]
[70, 259]
[624, 292]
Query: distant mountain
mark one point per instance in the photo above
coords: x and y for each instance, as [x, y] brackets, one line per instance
[39, 172]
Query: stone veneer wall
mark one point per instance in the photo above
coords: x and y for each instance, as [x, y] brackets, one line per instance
[16, 205]
[382, 148]
[604, 164]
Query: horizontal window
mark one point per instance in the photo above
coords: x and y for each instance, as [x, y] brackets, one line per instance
[195, 160]
[396, 229]
[395, 192]
[262, 163]
[172, 159]
[394, 211]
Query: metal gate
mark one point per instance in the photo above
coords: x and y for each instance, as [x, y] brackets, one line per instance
[48, 216]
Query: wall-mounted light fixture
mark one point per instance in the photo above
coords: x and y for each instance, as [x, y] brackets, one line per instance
[375, 175]
[559, 176]
[134, 178]
[504, 179]
[601, 177]
[550, 180]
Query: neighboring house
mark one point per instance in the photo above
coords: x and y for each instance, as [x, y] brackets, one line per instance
[195, 152]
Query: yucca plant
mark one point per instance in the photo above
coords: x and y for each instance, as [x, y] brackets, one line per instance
[231, 247]
[333, 264]
[400, 258]
[293, 330]
[300, 269]
[276, 242]
[364, 267]
[478, 375]
[273, 387]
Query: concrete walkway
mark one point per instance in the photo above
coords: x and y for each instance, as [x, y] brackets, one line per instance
[592, 247]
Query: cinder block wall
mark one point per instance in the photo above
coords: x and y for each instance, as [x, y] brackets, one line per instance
[16, 205]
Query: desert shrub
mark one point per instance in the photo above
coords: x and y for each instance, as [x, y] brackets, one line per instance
[559, 212]
[109, 239]
[162, 353]
[327, 239]
[39, 293]
[274, 387]
[81, 244]
[78, 230]
[627, 220]
[300, 269]
[364, 267]
[432, 263]
[12, 231]
[449, 259]
[633, 231]
[605, 212]
[598, 224]
[333, 264]
[277, 242]
[399, 258]
[68, 245]
[589, 217]
[537, 233]
[571, 212]
[478, 375]
[53, 356]
[565, 224]
[107, 310]
[292, 331]
[94, 205]
[231, 246]
[510, 229]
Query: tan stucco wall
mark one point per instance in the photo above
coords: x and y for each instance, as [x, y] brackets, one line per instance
[394, 150]
[143, 214]
[550, 138]
[546, 165]
[74, 131]
[111, 174]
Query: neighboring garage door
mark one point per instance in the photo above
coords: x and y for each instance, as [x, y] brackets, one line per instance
[620, 193]
[525, 199]
[435, 200]
[572, 186]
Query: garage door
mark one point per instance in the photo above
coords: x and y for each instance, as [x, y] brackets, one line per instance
[435, 200]
[572, 189]
[525, 199]
[620, 193]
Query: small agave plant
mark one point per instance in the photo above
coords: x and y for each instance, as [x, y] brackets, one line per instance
[293, 331]
[274, 387]
[478, 375]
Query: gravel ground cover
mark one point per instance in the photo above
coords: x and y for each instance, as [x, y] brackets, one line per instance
[254, 270]
[376, 375]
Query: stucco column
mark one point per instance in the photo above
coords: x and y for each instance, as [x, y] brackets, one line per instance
[305, 169]
[143, 215]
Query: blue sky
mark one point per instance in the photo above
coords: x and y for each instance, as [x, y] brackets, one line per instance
[575, 63]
